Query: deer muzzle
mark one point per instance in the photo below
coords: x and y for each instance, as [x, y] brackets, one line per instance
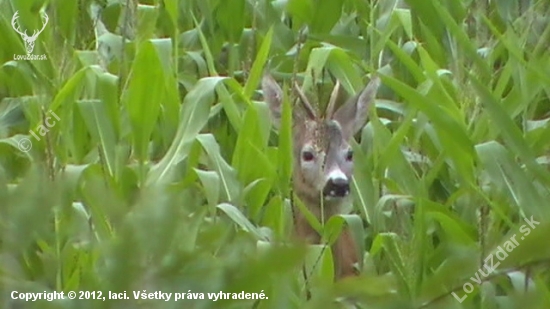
[337, 185]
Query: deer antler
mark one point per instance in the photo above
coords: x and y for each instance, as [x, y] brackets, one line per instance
[332, 101]
[305, 102]
[15, 25]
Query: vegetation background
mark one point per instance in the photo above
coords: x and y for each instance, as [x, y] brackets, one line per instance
[163, 172]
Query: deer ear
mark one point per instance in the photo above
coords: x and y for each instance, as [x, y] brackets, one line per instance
[352, 116]
[273, 95]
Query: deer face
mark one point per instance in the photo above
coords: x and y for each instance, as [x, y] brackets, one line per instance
[323, 158]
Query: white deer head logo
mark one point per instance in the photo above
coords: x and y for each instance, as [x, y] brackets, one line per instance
[29, 40]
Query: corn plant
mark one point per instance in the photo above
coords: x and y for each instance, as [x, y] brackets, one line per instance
[137, 158]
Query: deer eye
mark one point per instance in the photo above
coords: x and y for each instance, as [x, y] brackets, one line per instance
[349, 155]
[307, 156]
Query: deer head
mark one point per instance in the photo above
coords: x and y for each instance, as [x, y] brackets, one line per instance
[323, 158]
[29, 40]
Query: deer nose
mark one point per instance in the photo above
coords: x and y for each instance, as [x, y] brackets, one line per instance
[336, 187]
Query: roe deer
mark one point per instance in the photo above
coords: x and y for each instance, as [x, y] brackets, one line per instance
[323, 161]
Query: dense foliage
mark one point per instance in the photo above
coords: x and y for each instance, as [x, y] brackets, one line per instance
[161, 171]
